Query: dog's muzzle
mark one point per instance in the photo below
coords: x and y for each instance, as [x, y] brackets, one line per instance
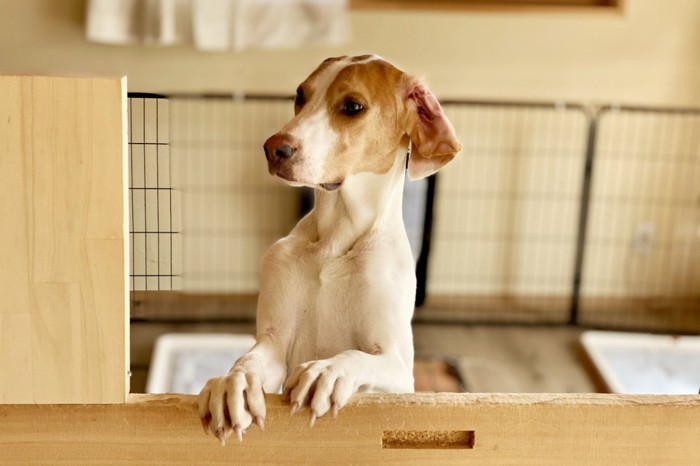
[280, 147]
[280, 151]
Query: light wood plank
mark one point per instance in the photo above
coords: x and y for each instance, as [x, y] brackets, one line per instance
[62, 240]
[175, 305]
[14, 201]
[496, 6]
[678, 314]
[16, 351]
[507, 430]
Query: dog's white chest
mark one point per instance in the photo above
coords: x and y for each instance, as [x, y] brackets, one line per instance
[327, 321]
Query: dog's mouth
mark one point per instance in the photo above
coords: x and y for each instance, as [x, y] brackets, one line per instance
[287, 177]
[331, 186]
[294, 182]
[289, 172]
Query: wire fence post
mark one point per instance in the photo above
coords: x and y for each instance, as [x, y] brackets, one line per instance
[584, 208]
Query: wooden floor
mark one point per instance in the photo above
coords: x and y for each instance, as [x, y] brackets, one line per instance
[510, 359]
[505, 359]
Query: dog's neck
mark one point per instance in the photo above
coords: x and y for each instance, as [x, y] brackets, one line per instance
[365, 202]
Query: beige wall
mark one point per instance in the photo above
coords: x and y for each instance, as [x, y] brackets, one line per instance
[649, 54]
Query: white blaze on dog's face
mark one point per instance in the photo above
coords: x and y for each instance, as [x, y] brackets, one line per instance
[351, 115]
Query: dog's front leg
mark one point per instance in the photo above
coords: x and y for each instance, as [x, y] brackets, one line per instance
[230, 403]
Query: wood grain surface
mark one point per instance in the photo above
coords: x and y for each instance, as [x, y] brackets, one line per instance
[428, 428]
[63, 306]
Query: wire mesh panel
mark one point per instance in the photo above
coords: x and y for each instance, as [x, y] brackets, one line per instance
[232, 208]
[642, 260]
[506, 211]
[154, 206]
[509, 213]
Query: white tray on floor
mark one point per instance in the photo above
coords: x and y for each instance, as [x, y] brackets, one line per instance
[644, 363]
[183, 362]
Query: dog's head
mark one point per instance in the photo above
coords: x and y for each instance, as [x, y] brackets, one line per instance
[351, 115]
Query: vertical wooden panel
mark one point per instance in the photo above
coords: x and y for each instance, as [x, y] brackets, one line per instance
[16, 355]
[14, 201]
[63, 311]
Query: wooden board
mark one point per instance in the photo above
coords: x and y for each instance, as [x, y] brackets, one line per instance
[669, 314]
[515, 6]
[677, 314]
[63, 306]
[421, 429]
[194, 307]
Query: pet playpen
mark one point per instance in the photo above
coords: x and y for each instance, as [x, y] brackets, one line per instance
[553, 213]
[64, 336]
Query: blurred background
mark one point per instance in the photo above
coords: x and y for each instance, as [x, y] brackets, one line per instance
[559, 252]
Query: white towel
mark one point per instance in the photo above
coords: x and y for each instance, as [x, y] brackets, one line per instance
[211, 23]
[113, 21]
[174, 22]
[289, 23]
[219, 24]
[151, 22]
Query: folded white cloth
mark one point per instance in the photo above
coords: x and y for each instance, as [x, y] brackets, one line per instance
[211, 23]
[112, 21]
[219, 24]
[151, 22]
[289, 23]
[170, 22]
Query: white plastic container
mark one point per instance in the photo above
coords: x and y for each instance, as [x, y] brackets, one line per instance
[183, 362]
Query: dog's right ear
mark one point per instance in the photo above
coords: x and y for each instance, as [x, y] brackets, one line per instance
[432, 135]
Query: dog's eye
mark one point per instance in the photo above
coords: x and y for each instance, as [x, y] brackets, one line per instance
[351, 107]
[299, 99]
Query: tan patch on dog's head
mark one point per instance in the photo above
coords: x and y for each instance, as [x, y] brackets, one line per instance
[351, 115]
[366, 141]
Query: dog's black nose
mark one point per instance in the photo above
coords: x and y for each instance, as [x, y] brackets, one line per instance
[280, 147]
[284, 151]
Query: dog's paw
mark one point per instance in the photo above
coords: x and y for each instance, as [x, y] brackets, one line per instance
[229, 404]
[321, 385]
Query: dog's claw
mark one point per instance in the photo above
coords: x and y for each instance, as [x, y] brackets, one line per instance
[295, 408]
[312, 419]
[205, 425]
[239, 432]
[334, 409]
[260, 421]
[221, 435]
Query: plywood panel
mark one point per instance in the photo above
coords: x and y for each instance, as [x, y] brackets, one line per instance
[16, 352]
[13, 204]
[63, 310]
[500, 429]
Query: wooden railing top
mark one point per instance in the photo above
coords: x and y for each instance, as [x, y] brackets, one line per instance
[424, 428]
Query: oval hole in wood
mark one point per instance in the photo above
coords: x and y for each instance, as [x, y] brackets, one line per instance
[428, 439]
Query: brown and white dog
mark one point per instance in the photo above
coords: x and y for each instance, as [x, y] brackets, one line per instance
[337, 294]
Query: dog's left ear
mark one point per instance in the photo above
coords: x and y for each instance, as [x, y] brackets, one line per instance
[432, 135]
